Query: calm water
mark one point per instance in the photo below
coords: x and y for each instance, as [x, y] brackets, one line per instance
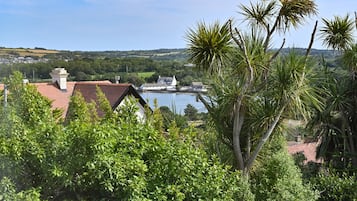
[177, 101]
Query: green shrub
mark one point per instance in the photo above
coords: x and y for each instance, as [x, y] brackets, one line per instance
[277, 178]
[334, 187]
[8, 192]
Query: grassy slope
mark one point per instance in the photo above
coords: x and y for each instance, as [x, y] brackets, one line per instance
[26, 52]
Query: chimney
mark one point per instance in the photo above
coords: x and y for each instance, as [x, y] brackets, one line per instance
[117, 79]
[59, 76]
[298, 139]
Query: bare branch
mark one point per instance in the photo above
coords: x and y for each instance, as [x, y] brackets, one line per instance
[250, 68]
[311, 40]
[233, 37]
[267, 38]
[204, 102]
[277, 52]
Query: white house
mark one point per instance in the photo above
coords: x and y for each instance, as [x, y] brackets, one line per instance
[163, 83]
[169, 81]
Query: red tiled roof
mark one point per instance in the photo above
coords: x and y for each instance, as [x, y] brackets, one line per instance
[308, 149]
[59, 97]
[115, 93]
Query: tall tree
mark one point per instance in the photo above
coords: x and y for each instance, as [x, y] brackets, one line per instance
[336, 124]
[253, 89]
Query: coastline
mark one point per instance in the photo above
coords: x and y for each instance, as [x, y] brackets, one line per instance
[176, 101]
[189, 91]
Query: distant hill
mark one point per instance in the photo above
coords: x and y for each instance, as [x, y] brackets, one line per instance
[26, 52]
[313, 52]
[158, 54]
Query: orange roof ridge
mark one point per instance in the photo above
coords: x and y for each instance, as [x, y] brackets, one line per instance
[104, 83]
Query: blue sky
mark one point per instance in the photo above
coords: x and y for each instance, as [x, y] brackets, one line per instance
[129, 24]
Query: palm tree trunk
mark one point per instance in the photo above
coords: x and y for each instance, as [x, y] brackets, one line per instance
[237, 128]
[263, 140]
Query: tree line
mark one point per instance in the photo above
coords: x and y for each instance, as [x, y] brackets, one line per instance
[129, 69]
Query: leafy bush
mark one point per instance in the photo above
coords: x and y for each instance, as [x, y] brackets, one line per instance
[127, 160]
[277, 177]
[114, 158]
[334, 187]
[8, 192]
[180, 172]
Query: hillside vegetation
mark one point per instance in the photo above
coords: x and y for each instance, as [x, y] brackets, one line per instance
[134, 66]
[37, 52]
[158, 54]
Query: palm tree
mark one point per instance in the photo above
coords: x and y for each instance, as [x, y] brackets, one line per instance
[245, 111]
[336, 124]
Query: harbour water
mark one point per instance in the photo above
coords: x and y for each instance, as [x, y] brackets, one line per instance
[175, 101]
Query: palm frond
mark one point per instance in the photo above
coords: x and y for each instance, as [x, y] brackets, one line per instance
[291, 85]
[349, 58]
[337, 33]
[259, 14]
[209, 46]
[256, 55]
[293, 13]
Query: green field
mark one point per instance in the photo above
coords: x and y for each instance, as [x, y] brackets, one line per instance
[26, 52]
[145, 74]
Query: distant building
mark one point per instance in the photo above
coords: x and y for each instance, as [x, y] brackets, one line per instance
[198, 87]
[163, 83]
[152, 87]
[169, 81]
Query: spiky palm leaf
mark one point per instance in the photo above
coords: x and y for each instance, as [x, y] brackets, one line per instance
[281, 13]
[293, 13]
[209, 46]
[258, 58]
[336, 125]
[349, 58]
[338, 33]
[259, 14]
[291, 84]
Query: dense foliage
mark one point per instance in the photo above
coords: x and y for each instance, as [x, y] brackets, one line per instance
[113, 158]
[333, 186]
[336, 124]
[277, 177]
